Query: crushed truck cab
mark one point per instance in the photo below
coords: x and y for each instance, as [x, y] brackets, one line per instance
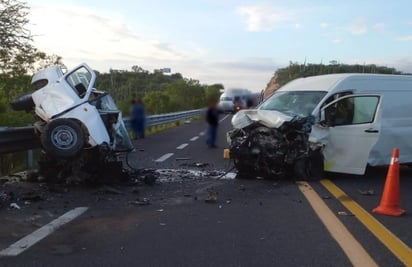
[71, 115]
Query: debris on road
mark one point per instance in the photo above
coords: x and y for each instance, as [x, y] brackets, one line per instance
[14, 206]
[344, 213]
[177, 159]
[4, 199]
[108, 190]
[138, 202]
[369, 192]
[212, 197]
[32, 197]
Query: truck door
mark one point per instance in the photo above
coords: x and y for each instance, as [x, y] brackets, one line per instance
[354, 123]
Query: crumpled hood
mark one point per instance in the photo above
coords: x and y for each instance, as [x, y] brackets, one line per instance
[268, 118]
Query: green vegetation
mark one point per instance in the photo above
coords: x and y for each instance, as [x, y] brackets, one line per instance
[296, 70]
[161, 93]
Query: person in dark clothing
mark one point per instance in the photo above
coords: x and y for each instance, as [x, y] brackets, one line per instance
[212, 118]
[138, 119]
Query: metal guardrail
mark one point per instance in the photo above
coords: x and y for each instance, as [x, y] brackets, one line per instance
[14, 139]
[155, 120]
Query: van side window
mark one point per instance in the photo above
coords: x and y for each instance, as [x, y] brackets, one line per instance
[352, 110]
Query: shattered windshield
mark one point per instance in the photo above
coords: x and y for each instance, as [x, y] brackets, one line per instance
[292, 103]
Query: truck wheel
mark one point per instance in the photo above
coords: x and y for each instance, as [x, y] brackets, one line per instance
[23, 102]
[63, 138]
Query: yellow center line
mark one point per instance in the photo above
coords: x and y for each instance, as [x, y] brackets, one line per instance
[393, 243]
[350, 246]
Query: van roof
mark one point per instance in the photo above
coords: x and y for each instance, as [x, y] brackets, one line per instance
[329, 81]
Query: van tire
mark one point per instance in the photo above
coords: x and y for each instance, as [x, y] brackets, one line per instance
[63, 138]
[309, 168]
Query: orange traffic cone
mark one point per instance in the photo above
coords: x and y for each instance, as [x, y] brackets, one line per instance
[390, 197]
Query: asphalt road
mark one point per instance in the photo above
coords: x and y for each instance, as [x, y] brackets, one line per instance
[190, 218]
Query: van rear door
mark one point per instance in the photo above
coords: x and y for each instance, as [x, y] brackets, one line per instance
[354, 123]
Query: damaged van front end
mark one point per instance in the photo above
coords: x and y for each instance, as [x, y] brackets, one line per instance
[268, 142]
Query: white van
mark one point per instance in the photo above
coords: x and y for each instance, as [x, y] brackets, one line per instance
[234, 99]
[356, 120]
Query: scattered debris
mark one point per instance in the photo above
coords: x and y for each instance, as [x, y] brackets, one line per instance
[14, 206]
[31, 196]
[212, 197]
[344, 213]
[201, 164]
[149, 179]
[228, 201]
[160, 210]
[162, 224]
[138, 202]
[182, 159]
[369, 192]
[108, 190]
[229, 176]
[4, 199]
[187, 122]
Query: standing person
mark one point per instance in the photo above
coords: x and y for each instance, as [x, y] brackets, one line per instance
[212, 118]
[138, 119]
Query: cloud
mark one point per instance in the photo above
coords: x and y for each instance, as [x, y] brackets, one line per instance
[324, 25]
[358, 27]
[106, 41]
[263, 17]
[336, 41]
[380, 27]
[83, 33]
[405, 38]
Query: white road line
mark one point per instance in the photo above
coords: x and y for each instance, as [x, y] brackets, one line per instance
[182, 146]
[194, 138]
[202, 133]
[28, 241]
[164, 157]
[224, 118]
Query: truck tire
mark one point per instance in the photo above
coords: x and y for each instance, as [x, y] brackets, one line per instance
[63, 138]
[23, 102]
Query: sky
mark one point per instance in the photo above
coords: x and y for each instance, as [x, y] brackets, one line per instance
[239, 43]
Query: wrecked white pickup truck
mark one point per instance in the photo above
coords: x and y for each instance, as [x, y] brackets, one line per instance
[79, 127]
[337, 122]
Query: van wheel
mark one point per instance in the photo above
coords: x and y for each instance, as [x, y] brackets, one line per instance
[243, 172]
[310, 168]
[63, 138]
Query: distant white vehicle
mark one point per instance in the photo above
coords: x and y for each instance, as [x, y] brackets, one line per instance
[234, 99]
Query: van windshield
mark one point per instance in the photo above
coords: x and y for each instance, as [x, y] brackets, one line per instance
[225, 98]
[294, 103]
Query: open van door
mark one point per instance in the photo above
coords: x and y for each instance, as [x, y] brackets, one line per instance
[353, 122]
